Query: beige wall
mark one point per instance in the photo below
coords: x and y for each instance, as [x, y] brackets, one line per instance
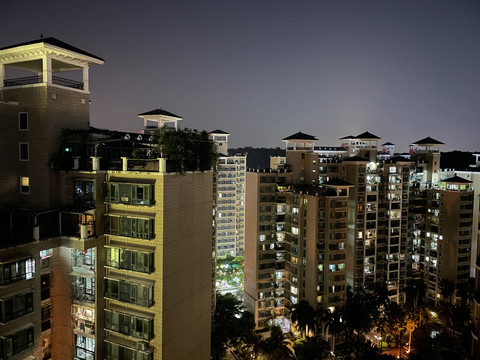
[47, 117]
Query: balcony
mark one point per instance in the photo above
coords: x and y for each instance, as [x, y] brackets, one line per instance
[38, 79]
[27, 80]
[83, 287]
[79, 225]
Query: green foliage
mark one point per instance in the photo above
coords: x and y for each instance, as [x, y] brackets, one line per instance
[447, 288]
[231, 325]
[230, 271]
[275, 347]
[311, 349]
[361, 312]
[189, 150]
[304, 316]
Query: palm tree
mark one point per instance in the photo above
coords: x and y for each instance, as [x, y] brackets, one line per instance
[311, 349]
[395, 322]
[254, 341]
[276, 346]
[304, 316]
[415, 292]
[333, 324]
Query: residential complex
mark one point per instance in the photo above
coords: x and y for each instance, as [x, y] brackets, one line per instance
[102, 256]
[325, 218]
[107, 253]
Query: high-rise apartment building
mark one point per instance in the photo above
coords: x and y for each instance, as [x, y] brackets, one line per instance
[101, 257]
[229, 198]
[296, 236]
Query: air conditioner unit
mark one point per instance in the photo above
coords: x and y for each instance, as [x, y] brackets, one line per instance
[141, 345]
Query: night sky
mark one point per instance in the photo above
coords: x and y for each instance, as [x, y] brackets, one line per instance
[265, 69]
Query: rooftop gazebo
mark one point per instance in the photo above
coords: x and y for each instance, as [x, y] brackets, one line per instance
[43, 60]
[300, 141]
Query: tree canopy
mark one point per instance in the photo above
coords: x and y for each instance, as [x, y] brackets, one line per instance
[187, 149]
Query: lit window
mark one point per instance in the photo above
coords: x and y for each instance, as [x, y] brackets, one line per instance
[24, 185]
[23, 151]
[23, 121]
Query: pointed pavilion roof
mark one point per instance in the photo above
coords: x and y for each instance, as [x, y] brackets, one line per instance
[159, 112]
[337, 182]
[57, 43]
[428, 141]
[219, 132]
[457, 180]
[387, 143]
[300, 136]
[367, 135]
[356, 158]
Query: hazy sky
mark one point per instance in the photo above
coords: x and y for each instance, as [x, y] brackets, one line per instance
[265, 69]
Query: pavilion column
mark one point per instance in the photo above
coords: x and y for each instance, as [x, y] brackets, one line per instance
[47, 70]
[85, 78]
[2, 75]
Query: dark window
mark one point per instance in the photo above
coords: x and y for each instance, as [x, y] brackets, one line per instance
[23, 121]
[23, 150]
[14, 307]
[17, 342]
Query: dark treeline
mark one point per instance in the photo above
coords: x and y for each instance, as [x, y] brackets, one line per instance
[257, 158]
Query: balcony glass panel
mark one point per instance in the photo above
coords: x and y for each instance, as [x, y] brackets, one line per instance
[115, 351]
[17, 342]
[129, 259]
[135, 194]
[83, 288]
[17, 270]
[128, 324]
[84, 348]
[132, 293]
[130, 227]
[15, 307]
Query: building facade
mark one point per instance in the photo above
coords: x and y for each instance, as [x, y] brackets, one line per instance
[229, 198]
[101, 257]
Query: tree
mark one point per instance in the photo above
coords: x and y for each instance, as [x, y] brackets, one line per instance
[304, 316]
[333, 325]
[395, 322]
[447, 288]
[361, 312]
[189, 150]
[311, 349]
[276, 346]
[231, 324]
[415, 292]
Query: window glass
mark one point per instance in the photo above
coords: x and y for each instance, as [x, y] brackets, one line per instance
[23, 151]
[23, 121]
[24, 185]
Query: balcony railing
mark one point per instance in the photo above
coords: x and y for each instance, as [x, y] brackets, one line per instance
[37, 79]
[57, 80]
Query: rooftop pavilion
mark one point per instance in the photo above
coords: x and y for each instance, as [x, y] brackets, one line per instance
[42, 60]
[156, 119]
[426, 145]
[300, 141]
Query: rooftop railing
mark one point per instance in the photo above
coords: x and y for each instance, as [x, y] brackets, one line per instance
[37, 79]
[27, 80]
[57, 80]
